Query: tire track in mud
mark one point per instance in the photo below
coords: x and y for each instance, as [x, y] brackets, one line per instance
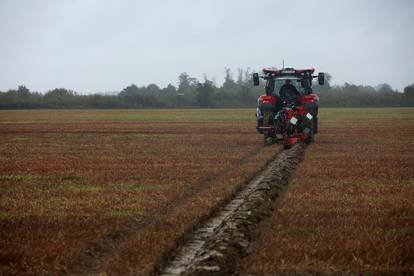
[93, 259]
[216, 246]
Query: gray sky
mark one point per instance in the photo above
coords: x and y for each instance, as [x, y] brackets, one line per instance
[100, 45]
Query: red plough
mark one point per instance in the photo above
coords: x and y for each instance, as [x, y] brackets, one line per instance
[288, 111]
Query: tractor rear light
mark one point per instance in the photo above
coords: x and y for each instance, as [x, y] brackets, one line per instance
[293, 120]
[309, 116]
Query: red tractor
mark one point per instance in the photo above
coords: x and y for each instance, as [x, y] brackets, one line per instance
[288, 111]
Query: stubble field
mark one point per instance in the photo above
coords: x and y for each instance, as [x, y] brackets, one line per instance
[350, 206]
[123, 185]
[113, 191]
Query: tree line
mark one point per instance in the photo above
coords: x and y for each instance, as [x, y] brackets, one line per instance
[191, 92]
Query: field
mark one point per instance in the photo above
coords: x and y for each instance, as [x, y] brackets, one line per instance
[93, 191]
[114, 182]
[350, 207]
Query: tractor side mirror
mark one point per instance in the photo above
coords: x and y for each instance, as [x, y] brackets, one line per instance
[256, 79]
[321, 78]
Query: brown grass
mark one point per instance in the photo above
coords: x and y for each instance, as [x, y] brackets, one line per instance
[68, 178]
[350, 207]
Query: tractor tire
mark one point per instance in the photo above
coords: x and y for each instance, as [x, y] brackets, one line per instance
[315, 124]
[310, 138]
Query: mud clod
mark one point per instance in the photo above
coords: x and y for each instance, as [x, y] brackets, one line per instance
[216, 246]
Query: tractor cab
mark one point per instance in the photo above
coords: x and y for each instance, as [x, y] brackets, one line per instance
[300, 78]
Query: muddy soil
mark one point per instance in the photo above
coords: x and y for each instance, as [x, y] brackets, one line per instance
[215, 247]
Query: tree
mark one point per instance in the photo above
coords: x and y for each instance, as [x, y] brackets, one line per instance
[59, 97]
[244, 86]
[229, 83]
[129, 91]
[185, 82]
[248, 78]
[23, 92]
[384, 88]
[409, 91]
[170, 89]
[59, 93]
[205, 93]
[153, 89]
[240, 77]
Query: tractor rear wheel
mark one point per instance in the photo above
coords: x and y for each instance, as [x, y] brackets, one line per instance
[310, 138]
[315, 124]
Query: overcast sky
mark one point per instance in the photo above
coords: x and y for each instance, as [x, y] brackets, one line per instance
[101, 45]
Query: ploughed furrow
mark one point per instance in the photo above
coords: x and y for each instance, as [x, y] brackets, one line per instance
[93, 259]
[220, 241]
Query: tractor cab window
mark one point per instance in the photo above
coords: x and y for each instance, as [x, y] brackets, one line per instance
[296, 82]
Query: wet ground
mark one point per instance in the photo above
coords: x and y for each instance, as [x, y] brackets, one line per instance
[217, 244]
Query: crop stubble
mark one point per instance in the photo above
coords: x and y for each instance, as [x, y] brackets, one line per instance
[73, 180]
[74, 185]
[350, 208]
